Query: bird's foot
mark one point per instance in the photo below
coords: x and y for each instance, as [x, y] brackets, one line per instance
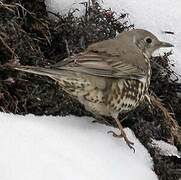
[115, 134]
[95, 121]
[123, 135]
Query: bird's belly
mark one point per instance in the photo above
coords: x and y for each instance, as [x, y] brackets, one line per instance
[93, 101]
[87, 93]
[121, 96]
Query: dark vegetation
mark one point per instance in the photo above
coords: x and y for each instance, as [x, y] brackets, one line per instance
[29, 37]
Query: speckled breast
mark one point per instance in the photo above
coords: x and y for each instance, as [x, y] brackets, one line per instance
[127, 94]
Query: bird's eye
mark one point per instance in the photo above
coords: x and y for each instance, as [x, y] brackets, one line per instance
[148, 40]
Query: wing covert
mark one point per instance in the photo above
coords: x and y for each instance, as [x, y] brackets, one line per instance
[101, 64]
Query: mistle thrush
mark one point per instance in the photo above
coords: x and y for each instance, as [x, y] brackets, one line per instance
[110, 77]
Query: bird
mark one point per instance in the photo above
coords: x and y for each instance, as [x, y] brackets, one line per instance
[110, 77]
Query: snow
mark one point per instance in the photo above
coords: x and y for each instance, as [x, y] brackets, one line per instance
[165, 148]
[47, 147]
[153, 15]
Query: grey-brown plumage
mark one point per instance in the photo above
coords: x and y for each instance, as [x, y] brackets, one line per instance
[111, 76]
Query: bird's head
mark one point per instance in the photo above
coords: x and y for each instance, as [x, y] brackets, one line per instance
[147, 42]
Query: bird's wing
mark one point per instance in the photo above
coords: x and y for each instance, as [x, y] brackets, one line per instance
[102, 64]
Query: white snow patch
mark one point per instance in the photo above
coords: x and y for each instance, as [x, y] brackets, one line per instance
[166, 148]
[46, 147]
[64, 6]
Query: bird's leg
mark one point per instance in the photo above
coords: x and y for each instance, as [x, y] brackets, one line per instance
[100, 119]
[122, 134]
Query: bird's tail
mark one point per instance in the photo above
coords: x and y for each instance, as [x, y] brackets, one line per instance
[51, 72]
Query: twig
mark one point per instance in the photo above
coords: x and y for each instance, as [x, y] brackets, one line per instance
[67, 47]
[93, 2]
[172, 123]
[6, 46]
[9, 7]
[168, 32]
[157, 103]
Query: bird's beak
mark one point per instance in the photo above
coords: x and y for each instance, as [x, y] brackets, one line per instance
[165, 44]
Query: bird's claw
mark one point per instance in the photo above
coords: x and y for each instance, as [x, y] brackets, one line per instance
[128, 142]
[94, 121]
[115, 135]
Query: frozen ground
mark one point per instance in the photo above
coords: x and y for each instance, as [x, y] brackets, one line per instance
[153, 15]
[67, 148]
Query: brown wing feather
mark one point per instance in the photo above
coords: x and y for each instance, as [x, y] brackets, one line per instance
[101, 65]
